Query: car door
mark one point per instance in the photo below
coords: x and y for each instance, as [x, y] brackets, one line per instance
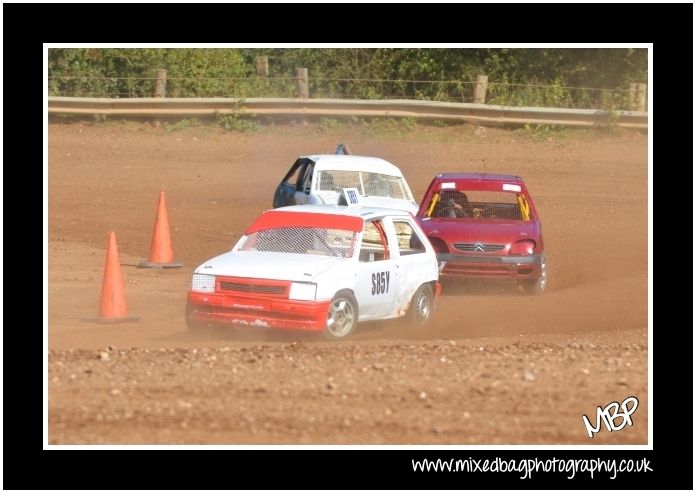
[285, 193]
[377, 278]
[413, 264]
[304, 183]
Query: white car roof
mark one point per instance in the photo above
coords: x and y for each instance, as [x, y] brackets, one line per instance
[351, 162]
[364, 211]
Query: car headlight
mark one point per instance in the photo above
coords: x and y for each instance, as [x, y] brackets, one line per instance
[303, 291]
[204, 283]
[523, 247]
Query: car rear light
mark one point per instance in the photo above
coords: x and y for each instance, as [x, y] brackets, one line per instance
[523, 247]
[438, 245]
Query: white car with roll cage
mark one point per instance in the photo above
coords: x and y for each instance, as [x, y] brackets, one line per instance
[320, 179]
[320, 268]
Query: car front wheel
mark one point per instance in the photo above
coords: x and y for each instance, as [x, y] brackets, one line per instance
[538, 285]
[342, 317]
[195, 326]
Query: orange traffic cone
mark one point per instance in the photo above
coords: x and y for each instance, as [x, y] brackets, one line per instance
[161, 253]
[112, 308]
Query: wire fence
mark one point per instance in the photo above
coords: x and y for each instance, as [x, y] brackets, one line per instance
[456, 91]
[176, 87]
[560, 97]
[460, 91]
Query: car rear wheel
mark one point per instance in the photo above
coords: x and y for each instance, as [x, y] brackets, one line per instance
[342, 317]
[537, 286]
[421, 307]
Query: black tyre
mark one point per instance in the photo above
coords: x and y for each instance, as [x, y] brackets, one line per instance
[421, 307]
[342, 317]
[537, 286]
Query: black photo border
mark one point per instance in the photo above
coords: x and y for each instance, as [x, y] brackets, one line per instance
[194, 469]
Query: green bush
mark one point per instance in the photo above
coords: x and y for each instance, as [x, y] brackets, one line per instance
[389, 126]
[181, 124]
[236, 123]
[517, 76]
[545, 131]
[328, 124]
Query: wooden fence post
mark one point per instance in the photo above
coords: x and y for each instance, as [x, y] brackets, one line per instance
[642, 97]
[262, 66]
[480, 89]
[302, 82]
[632, 88]
[161, 84]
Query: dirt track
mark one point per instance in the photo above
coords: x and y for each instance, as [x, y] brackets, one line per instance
[494, 366]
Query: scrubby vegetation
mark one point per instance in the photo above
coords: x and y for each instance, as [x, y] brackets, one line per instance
[557, 77]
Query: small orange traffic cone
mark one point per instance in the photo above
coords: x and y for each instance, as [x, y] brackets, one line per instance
[161, 253]
[112, 308]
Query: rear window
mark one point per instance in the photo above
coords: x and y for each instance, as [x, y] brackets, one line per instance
[301, 240]
[368, 184]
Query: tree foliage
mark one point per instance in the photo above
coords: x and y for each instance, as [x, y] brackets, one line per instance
[516, 75]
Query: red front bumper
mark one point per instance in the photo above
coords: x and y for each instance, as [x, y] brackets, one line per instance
[491, 267]
[257, 311]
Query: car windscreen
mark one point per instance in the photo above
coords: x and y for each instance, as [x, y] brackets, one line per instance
[324, 242]
[479, 204]
[368, 184]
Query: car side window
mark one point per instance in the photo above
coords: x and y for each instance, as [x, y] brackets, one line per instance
[408, 240]
[374, 246]
[295, 170]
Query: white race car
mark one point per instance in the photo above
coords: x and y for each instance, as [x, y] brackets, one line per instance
[319, 268]
[320, 179]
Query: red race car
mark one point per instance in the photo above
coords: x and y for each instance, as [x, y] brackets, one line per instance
[485, 226]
